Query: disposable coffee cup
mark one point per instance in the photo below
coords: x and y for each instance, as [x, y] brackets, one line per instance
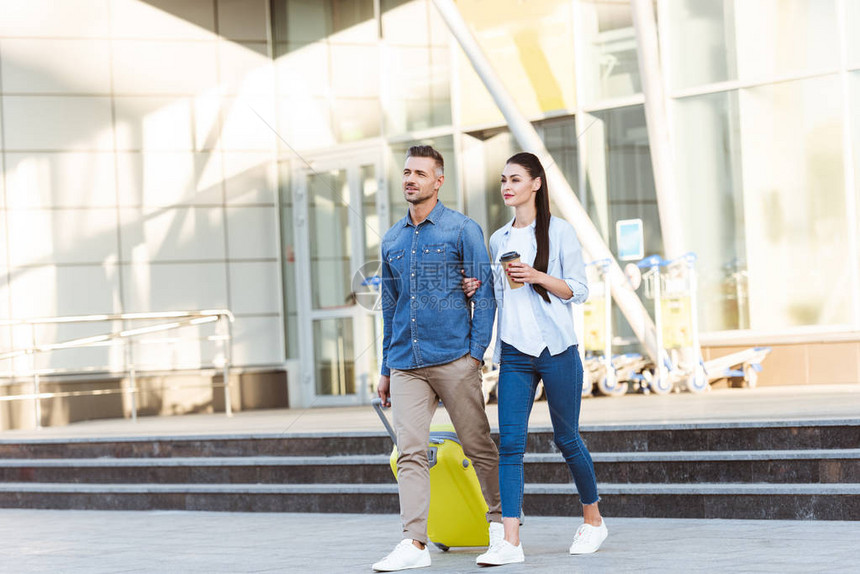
[506, 259]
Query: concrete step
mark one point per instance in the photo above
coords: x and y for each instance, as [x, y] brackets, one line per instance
[787, 466]
[765, 466]
[751, 501]
[359, 469]
[840, 434]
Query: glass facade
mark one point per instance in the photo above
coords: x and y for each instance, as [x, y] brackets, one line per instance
[259, 171]
[765, 144]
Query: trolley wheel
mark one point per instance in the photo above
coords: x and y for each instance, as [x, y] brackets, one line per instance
[661, 385]
[587, 386]
[610, 386]
[750, 376]
[698, 381]
[441, 546]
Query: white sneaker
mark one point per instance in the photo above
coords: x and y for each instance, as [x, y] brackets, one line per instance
[497, 533]
[404, 556]
[501, 553]
[588, 538]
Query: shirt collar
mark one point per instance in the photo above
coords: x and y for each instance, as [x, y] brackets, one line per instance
[432, 217]
[506, 230]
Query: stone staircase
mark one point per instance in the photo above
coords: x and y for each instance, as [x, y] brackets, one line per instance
[799, 470]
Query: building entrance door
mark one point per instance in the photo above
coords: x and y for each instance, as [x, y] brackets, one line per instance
[338, 206]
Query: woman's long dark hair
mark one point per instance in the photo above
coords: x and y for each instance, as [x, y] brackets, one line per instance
[532, 165]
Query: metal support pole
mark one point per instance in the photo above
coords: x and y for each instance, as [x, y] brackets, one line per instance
[657, 121]
[227, 344]
[656, 288]
[131, 387]
[611, 379]
[132, 382]
[562, 193]
[37, 403]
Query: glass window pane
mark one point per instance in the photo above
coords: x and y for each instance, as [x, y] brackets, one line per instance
[328, 210]
[794, 203]
[487, 151]
[560, 138]
[355, 71]
[619, 174]
[611, 65]
[704, 28]
[707, 138]
[418, 89]
[353, 21]
[372, 231]
[356, 119]
[855, 135]
[531, 49]
[334, 357]
[303, 21]
[779, 37]
[718, 40]
[852, 24]
[289, 261]
[404, 22]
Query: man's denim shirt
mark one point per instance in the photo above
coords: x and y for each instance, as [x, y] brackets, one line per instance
[427, 318]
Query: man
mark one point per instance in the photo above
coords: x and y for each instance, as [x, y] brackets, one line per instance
[433, 347]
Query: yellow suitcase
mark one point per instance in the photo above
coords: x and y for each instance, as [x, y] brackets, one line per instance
[457, 507]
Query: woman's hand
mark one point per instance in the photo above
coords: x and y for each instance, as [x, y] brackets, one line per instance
[524, 273]
[469, 284]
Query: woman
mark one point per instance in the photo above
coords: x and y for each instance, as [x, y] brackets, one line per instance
[535, 340]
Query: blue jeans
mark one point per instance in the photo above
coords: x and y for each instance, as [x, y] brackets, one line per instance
[562, 381]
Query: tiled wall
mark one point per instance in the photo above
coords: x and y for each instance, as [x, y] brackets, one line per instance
[137, 173]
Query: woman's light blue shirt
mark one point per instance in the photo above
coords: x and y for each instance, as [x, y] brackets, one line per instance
[565, 262]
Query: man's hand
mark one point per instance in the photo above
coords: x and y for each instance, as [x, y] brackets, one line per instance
[383, 389]
[478, 364]
[469, 284]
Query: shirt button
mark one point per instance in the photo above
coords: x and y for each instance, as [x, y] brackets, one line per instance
[413, 296]
[413, 320]
[413, 251]
[414, 340]
[416, 232]
[413, 274]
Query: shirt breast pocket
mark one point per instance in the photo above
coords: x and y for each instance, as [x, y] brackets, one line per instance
[396, 260]
[434, 252]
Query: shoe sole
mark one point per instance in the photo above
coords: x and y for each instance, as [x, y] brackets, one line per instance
[500, 563]
[400, 569]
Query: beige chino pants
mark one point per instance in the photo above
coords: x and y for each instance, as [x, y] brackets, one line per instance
[414, 396]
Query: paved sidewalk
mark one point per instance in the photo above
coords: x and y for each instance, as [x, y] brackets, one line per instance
[93, 542]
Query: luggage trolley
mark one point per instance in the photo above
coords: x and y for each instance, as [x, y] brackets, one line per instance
[681, 323]
[599, 363]
[672, 286]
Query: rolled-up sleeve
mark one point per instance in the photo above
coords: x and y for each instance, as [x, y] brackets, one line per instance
[572, 264]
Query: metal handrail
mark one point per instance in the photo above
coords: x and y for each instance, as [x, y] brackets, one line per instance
[178, 319]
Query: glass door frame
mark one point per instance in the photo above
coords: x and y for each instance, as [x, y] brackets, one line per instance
[363, 320]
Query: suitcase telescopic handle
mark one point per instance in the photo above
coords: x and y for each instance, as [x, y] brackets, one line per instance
[377, 406]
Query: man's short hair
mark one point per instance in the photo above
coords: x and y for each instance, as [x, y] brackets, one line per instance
[428, 151]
